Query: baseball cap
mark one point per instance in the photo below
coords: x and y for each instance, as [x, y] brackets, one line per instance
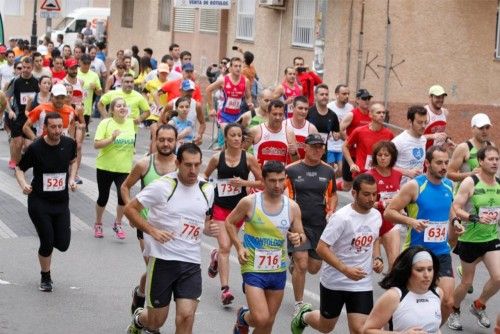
[187, 67]
[70, 62]
[437, 90]
[163, 68]
[3, 49]
[480, 120]
[187, 85]
[59, 90]
[314, 138]
[363, 93]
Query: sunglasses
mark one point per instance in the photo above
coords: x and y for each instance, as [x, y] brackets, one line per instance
[366, 98]
[19, 68]
[223, 62]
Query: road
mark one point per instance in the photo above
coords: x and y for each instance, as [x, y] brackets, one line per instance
[94, 278]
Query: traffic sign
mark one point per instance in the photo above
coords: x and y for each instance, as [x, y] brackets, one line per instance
[51, 5]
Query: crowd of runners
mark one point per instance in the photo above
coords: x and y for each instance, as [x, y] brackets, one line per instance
[269, 190]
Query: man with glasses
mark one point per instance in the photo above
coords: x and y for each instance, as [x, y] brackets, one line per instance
[359, 116]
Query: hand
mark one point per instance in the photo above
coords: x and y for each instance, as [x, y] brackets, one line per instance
[476, 170]
[198, 140]
[292, 148]
[378, 266]
[329, 214]
[12, 115]
[440, 136]
[242, 255]
[161, 236]
[213, 113]
[72, 184]
[115, 134]
[237, 182]
[354, 168]
[486, 219]
[354, 273]
[412, 173]
[250, 105]
[92, 86]
[294, 238]
[289, 100]
[418, 225]
[27, 189]
[415, 330]
[213, 228]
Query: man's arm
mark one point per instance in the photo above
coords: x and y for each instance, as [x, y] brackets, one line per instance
[21, 180]
[248, 94]
[238, 214]
[101, 107]
[132, 212]
[353, 273]
[203, 124]
[406, 195]
[292, 145]
[28, 131]
[297, 235]
[135, 175]
[465, 191]
[347, 154]
[346, 121]
[210, 89]
[456, 161]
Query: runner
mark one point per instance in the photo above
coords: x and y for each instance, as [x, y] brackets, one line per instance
[427, 200]
[233, 166]
[115, 140]
[346, 246]
[270, 219]
[91, 86]
[236, 88]
[311, 183]
[258, 115]
[411, 144]
[298, 123]
[480, 241]
[435, 131]
[388, 181]
[289, 89]
[53, 159]
[273, 140]
[412, 301]
[172, 238]
[359, 116]
[147, 170]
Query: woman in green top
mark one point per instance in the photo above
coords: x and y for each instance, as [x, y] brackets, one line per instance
[115, 139]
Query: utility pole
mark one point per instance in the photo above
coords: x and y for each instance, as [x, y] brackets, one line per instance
[33, 26]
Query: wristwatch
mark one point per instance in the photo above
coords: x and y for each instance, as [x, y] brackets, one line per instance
[473, 218]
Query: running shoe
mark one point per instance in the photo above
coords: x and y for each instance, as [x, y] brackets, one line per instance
[296, 307]
[226, 297]
[137, 301]
[213, 269]
[459, 273]
[133, 328]
[98, 231]
[119, 232]
[297, 325]
[454, 321]
[480, 314]
[87, 134]
[239, 327]
[12, 164]
[46, 285]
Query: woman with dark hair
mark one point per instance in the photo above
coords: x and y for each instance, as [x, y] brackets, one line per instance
[412, 302]
[388, 179]
[144, 69]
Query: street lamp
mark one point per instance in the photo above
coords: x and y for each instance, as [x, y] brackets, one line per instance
[33, 26]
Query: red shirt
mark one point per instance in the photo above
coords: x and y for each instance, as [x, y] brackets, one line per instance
[173, 89]
[364, 139]
[67, 113]
[58, 76]
[308, 80]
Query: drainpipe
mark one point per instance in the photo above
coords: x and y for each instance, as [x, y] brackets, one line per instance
[360, 46]
[387, 71]
[278, 54]
[349, 45]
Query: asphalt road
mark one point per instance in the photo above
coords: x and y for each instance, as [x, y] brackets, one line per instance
[94, 278]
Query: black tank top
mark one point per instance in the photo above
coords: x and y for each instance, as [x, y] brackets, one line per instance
[226, 172]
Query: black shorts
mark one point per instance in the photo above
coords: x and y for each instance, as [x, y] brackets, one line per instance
[332, 301]
[164, 278]
[313, 234]
[445, 265]
[346, 171]
[16, 127]
[471, 251]
[140, 234]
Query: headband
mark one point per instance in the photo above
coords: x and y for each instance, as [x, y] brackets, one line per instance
[421, 256]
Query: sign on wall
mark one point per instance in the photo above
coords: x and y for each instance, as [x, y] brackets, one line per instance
[206, 4]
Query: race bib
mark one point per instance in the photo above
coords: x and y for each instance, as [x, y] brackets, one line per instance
[362, 241]
[24, 97]
[233, 103]
[492, 212]
[267, 259]
[190, 230]
[368, 162]
[154, 110]
[225, 189]
[384, 195]
[436, 232]
[54, 181]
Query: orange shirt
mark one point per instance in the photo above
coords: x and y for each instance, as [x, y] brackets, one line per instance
[173, 89]
[67, 113]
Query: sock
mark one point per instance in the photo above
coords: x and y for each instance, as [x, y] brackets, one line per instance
[479, 305]
[46, 275]
[224, 288]
[299, 302]
[241, 318]
[339, 185]
[137, 322]
[456, 309]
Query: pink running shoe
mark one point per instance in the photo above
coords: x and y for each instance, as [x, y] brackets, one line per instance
[119, 232]
[98, 231]
[213, 269]
[226, 297]
[12, 164]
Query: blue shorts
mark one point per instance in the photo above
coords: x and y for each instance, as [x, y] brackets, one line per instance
[265, 281]
[333, 157]
[227, 118]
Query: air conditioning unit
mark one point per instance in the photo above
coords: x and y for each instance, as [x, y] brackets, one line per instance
[272, 3]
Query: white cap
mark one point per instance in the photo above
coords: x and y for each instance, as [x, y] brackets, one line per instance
[58, 90]
[480, 120]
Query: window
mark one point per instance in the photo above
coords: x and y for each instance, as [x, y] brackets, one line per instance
[245, 24]
[209, 20]
[303, 23]
[184, 19]
[127, 13]
[11, 7]
[164, 8]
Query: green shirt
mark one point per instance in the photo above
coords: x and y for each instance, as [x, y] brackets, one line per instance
[88, 94]
[136, 103]
[119, 155]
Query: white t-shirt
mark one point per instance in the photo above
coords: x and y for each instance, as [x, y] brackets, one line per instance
[184, 214]
[7, 74]
[411, 152]
[336, 145]
[98, 66]
[351, 236]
